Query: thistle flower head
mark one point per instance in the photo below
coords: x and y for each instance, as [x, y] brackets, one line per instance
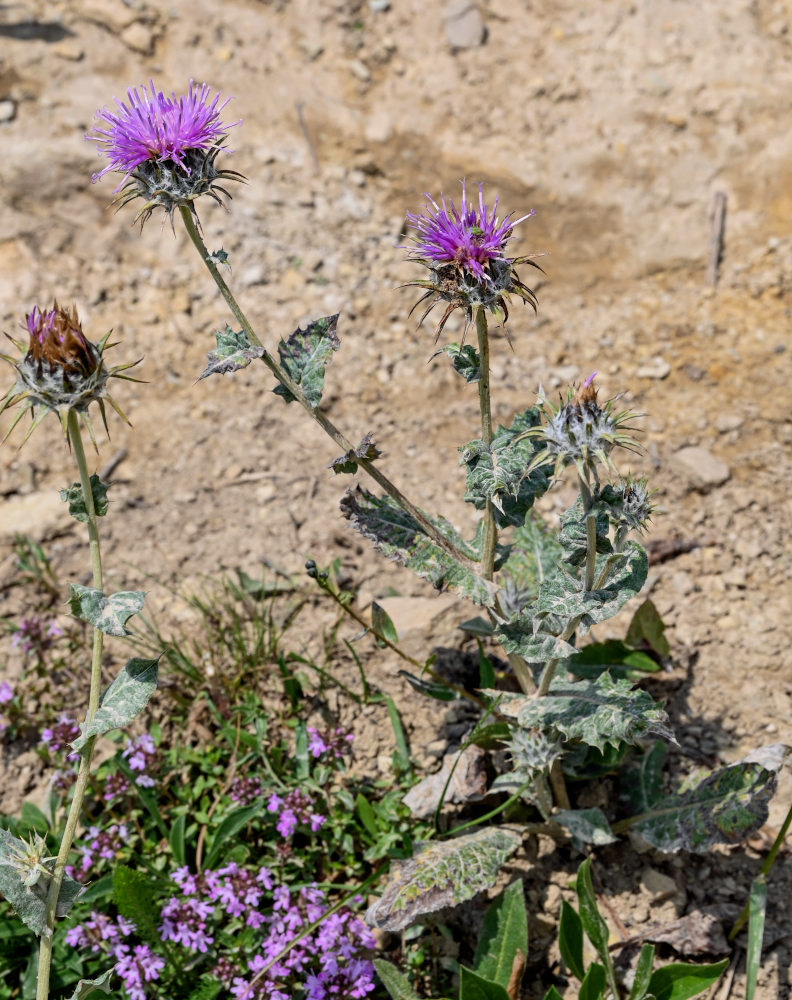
[29, 858]
[61, 370]
[630, 503]
[464, 250]
[165, 147]
[580, 432]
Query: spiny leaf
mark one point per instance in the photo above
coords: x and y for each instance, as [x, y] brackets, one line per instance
[586, 826]
[496, 472]
[86, 987]
[30, 900]
[76, 501]
[233, 352]
[597, 712]
[396, 535]
[440, 875]
[108, 614]
[465, 360]
[305, 355]
[126, 697]
[348, 462]
[724, 807]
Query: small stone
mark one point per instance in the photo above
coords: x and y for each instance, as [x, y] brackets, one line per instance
[359, 69]
[725, 422]
[701, 468]
[7, 111]
[379, 127]
[678, 121]
[658, 885]
[68, 49]
[694, 372]
[656, 368]
[139, 38]
[464, 26]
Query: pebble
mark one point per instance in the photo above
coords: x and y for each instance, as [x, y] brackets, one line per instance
[657, 368]
[68, 49]
[139, 38]
[701, 468]
[725, 422]
[464, 25]
[658, 885]
[7, 111]
[360, 70]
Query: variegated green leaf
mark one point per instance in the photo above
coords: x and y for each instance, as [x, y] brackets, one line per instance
[126, 697]
[233, 351]
[597, 712]
[396, 535]
[724, 807]
[442, 874]
[496, 471]
[305, 355]
[465, 360]
[76, 501]
[86, 987]
[585, 826]
[108, 614]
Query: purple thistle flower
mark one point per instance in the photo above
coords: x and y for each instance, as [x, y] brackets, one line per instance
[468, 238]
[165, 147]
[464, 250]
[156, 127]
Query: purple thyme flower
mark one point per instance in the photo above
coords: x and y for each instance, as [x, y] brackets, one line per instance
[59, 736]
[137, 967]
[155, 127]
[34, 634]
[246, 789]
[141, 755]
[6, 692]
[333, 742]
[468, 238]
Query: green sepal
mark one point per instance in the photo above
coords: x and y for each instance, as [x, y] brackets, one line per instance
[233, 352]
[126, 697]
[107, 614]
[76, 501]
[305, 355]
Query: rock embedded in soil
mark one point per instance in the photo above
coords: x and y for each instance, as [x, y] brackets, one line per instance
[464, 26]
[701, 469]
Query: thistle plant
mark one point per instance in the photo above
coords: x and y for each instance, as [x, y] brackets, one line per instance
[63, 372]
[541, 589]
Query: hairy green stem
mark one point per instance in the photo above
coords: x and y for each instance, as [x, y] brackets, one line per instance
[591, 551]
[767, 864]
[490, 528]
[84, 772]
[324, 422]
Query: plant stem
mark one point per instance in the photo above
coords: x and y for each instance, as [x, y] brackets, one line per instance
[84, 771]
[324, 422]
[591, 551]
[490, 528]
[767, 864]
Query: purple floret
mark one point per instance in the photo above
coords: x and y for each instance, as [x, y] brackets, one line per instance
[468, 237]
[155, 127]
